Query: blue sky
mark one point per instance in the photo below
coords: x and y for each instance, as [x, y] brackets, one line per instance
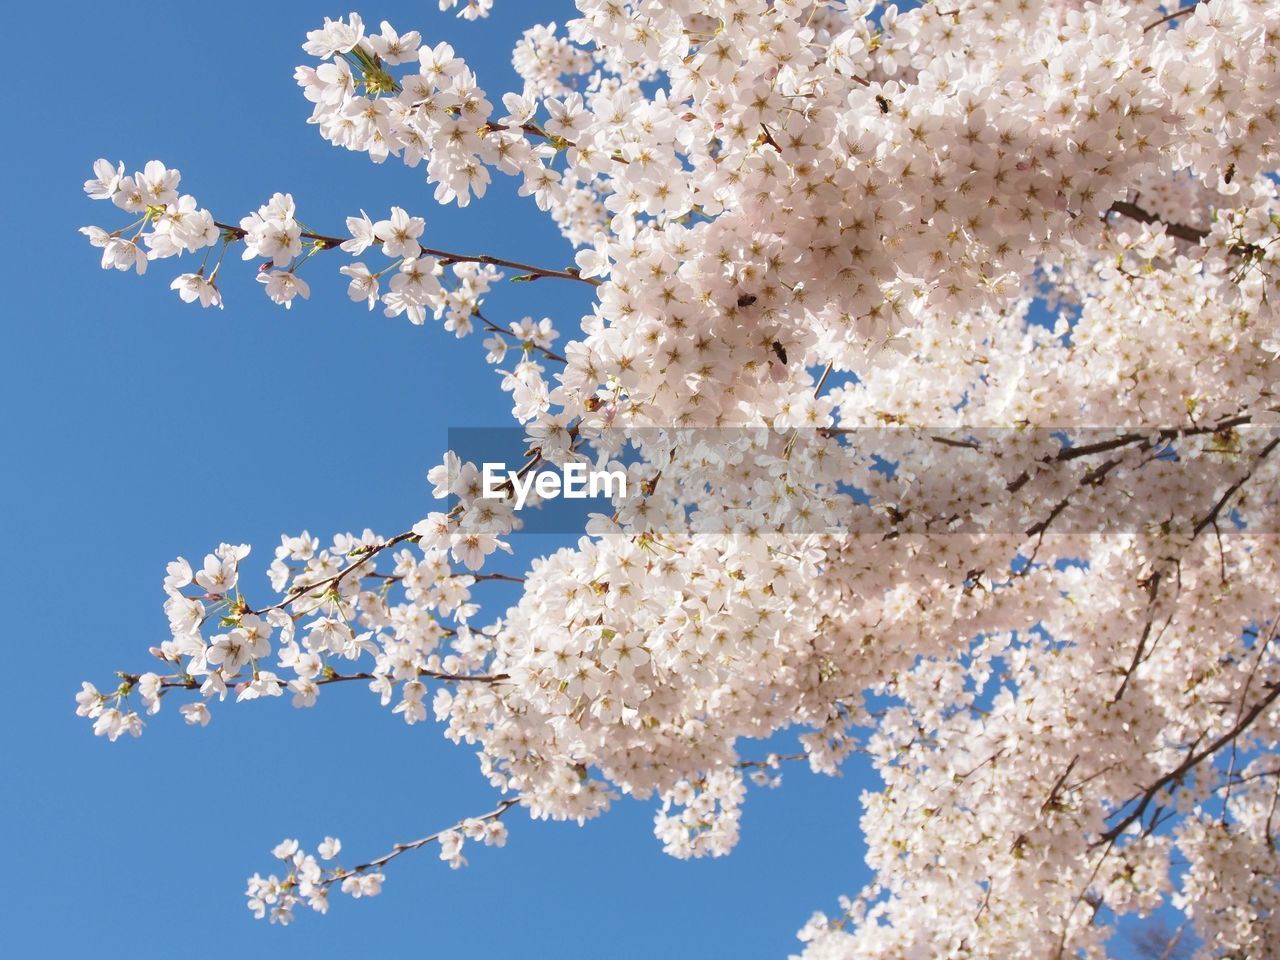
[139, 428]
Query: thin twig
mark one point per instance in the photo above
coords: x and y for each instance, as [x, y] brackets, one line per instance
[444, 256]
[1171, 16]
[401, 848]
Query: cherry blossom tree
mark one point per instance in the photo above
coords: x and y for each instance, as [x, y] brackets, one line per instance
[1029, 567]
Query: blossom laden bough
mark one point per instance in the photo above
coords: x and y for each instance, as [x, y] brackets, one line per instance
[1028, 568]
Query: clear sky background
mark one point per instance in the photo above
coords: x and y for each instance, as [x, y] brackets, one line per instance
[137, 428]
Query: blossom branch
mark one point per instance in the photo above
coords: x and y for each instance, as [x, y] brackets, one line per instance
[367, 553]
[323, 242]
[763, 213]
[328, 677]
[494, 328]
[400, 849]
[308, 882]
[1181, 231]
[1193, 759]
[1231, 491]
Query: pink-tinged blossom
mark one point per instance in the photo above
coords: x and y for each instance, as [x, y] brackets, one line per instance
[1025, 568]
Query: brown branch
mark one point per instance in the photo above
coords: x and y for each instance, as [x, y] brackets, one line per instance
[1171, 16]
[492, 576]
[1083, 450]
[1153, 583]
[822, 380]
[494, 328]
[1153, 588]
[298, 591]
[530, 128]
[1179, 230]
[1173, 433]
[402, 848]
[780, 758]
[1231, 491]
[1192, 760]
[1167, 952]
[1244, 697]
[560, 143]
[1091, 479]
[1275, 798]
[1144, 441]
[1061, 781]
[192, 683]
[444, 256]
[1249, 778]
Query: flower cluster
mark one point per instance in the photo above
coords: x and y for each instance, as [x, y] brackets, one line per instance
[167, 224]
[1028, 567]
